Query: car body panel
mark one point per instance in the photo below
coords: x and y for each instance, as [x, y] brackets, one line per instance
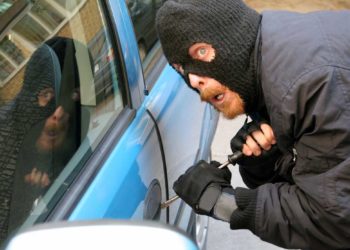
[162, 129]
[121, 185]
[122, 171]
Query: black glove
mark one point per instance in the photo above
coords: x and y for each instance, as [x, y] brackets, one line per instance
[240, 138]
[201, 186]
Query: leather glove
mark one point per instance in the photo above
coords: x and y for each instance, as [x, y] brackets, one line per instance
[201, 186]
[240, 138]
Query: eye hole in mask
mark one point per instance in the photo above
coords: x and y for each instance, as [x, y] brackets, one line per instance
[202, 51]
[45, 96]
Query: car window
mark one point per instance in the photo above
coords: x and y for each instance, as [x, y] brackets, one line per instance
[60, 91]
[143, 14]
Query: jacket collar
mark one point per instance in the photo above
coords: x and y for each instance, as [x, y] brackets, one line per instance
[259, 111]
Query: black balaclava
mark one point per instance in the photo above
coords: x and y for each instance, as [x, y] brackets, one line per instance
[230, 26]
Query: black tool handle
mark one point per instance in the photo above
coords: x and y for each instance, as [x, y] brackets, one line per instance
[233, 158]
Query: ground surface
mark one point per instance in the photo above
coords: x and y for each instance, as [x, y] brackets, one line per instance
[220, 237]
[299, 5]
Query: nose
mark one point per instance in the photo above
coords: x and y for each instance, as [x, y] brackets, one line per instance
[58, 114]
[197, 82]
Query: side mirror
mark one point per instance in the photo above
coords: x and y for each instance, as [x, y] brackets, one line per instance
[103, 235]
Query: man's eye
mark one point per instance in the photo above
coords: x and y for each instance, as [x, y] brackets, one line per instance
[202, 52]
[44, 96]
[47, 95]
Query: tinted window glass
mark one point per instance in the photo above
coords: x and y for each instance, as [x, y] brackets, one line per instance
[143, 14]
[59, 94]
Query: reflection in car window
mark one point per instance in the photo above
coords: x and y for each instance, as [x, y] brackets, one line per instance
[143, 14]
[59, 94]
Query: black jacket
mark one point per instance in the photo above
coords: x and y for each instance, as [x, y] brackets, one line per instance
[305, 79]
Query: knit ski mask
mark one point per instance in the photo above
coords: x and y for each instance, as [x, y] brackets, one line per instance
[229, 26]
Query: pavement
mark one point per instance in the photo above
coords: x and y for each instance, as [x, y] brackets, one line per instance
[220, 236]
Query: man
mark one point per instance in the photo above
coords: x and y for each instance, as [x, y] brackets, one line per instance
[17, 119]
[41, 131]
[290, 73]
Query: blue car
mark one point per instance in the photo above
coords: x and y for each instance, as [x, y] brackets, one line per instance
[94, 124]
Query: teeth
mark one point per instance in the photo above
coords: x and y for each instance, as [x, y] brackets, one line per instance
[219, 97]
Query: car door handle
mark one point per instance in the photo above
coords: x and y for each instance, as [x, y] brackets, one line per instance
[153, 200]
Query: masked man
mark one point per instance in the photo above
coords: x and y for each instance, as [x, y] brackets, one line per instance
[18, 118]
[50, 143]
[290, 73]
[39, 131]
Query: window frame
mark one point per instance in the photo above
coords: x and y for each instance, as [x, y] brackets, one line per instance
[151, 74]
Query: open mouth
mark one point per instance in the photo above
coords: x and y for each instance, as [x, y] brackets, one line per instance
[51, 134]
[217, 99]
[215, 96]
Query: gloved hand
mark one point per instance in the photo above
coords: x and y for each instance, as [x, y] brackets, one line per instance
[201, 186]
[250, 136]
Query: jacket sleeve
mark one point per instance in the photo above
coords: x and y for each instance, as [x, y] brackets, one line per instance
[313, 213]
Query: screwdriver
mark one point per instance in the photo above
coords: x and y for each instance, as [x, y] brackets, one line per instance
[231, 159]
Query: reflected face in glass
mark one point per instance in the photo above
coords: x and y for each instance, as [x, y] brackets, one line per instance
[54, 131]
[55, 128]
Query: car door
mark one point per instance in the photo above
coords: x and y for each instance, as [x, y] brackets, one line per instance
[127, 178]
[81, 58]
[164, 140]
[134, 126]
